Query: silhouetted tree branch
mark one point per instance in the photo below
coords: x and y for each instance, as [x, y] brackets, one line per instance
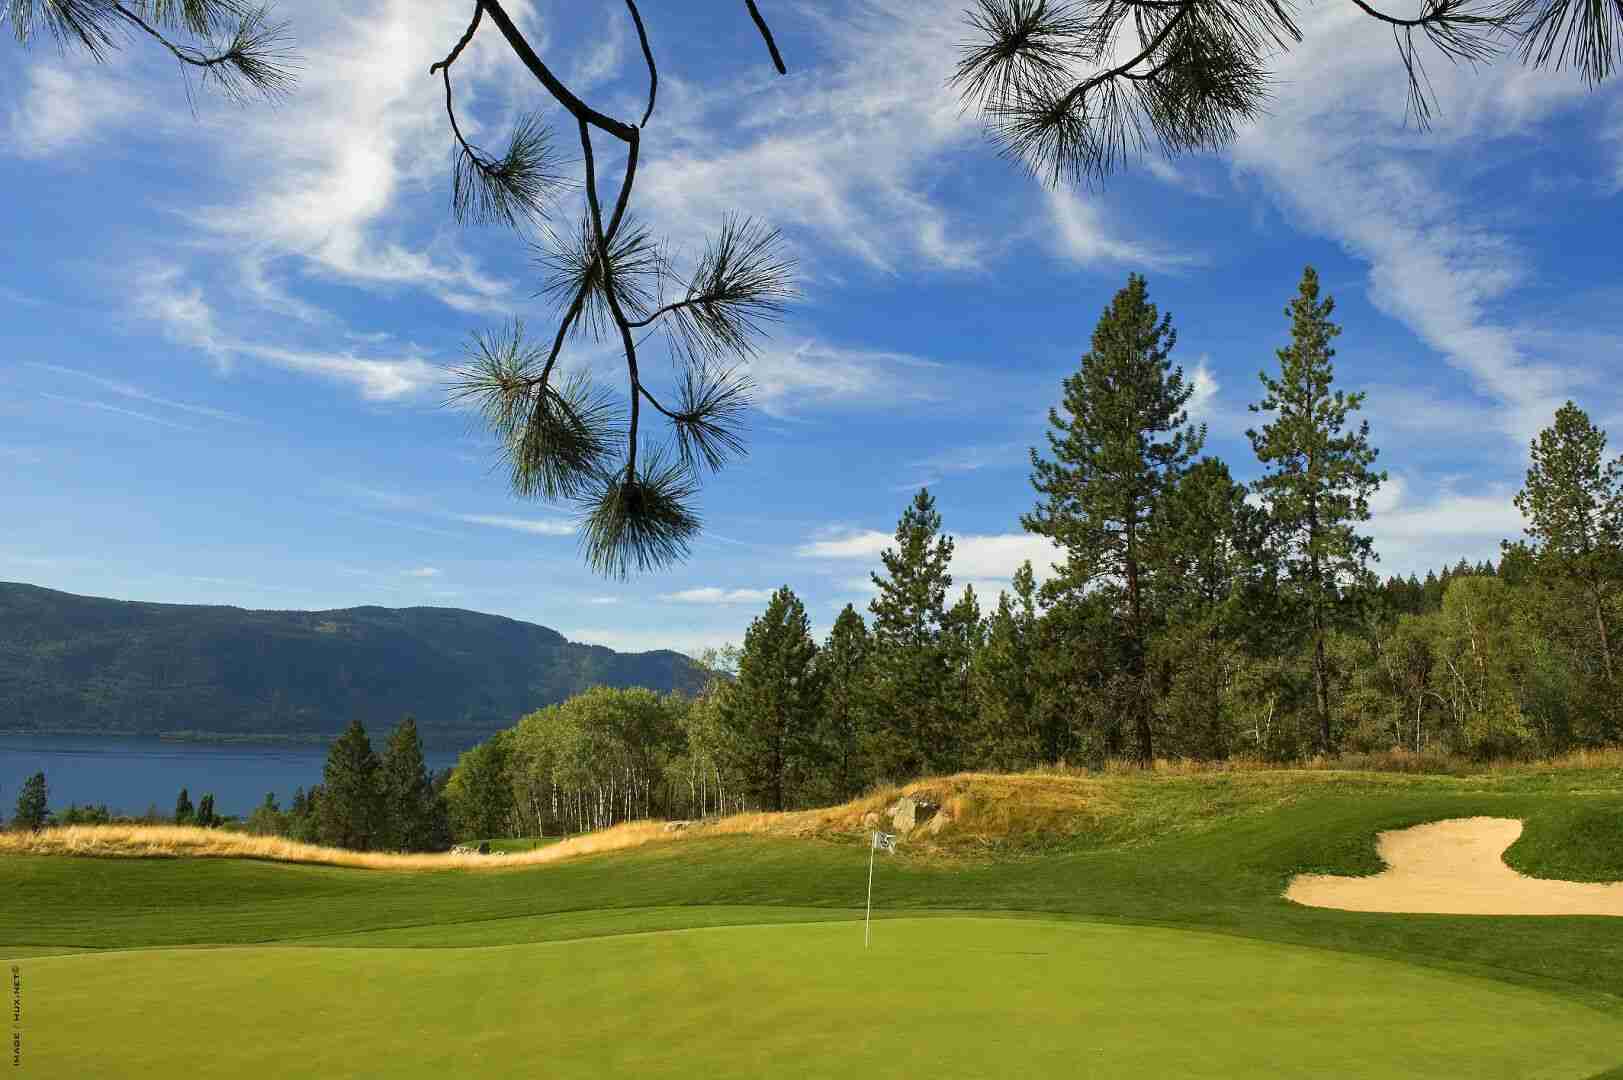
[1197, 69]
[608, 275]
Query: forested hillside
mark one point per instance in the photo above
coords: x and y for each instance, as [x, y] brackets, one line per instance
[84, 663]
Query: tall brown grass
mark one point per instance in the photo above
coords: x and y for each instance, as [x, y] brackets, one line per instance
[980, 811]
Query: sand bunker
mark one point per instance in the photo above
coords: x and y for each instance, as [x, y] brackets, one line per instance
[1454, 868]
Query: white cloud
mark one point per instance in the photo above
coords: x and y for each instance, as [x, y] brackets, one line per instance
[535, 526]
[62, 108]
[372, 131]
[1414, 535]
[102, 406]
[789, 378]
[1082, 236]
[377, 380]
[422, 572]
[713, 595]
[1343, 164]
[985, 559]
[135, 392]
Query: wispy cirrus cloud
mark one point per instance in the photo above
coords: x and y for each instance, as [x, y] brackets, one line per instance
[714, 595]
[124, 389]
[64, 107]
[1342, 163]
[102, 406]
[534, 526]
[983, 558]
[790, 378]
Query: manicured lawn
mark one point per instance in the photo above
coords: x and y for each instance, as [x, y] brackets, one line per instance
[945, 997]
[740, 956]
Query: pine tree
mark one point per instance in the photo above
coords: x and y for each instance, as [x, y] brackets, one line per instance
[406, 792]
[1573, 503]
[911, 729]
[1318, 481]
[183, 808]
[772, 711]
[842, 665]
[33, 804]
[1004, 682]
[1124, 442]
[205, 812]
[350, 805]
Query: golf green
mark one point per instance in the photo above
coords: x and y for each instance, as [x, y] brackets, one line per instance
[939, 997]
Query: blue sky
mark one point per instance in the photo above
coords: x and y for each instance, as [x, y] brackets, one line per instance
[223, 337]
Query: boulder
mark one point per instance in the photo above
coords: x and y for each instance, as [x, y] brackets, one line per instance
[909, 812]
[938, 822]
[484, 847]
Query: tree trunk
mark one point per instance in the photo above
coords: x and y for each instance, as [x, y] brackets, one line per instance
[1605, 640]
[1141, 709]
[1321, 691]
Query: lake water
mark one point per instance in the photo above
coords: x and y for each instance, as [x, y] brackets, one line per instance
[129, 772]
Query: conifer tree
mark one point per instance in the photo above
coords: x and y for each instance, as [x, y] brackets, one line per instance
[912, 718]
[1573, 503]
[406, 792]
[350, 805]
[772, 711]
[842, 664]
[205, 812]
[33, 804]
[183, 808]
[1004, 681]
[1317, 483]
[1124, 441]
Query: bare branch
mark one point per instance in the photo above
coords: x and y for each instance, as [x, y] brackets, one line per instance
[648, 57]
[766, 35]
[577, 108]
[462, 42]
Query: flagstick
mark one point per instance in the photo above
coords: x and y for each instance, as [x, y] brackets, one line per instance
[867, 920]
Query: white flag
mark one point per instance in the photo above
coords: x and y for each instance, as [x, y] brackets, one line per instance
[884, 841]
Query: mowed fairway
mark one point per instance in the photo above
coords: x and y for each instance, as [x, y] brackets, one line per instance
[1144, 937]
[964, 997]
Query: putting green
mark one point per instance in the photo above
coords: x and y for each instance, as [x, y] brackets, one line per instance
[940, 997]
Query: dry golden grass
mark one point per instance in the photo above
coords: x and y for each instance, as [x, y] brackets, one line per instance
[171, 841]
[1121, 804]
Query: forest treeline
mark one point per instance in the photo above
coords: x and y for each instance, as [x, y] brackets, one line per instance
[1190, 616]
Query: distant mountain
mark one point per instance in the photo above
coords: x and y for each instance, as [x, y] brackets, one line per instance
[82, 663]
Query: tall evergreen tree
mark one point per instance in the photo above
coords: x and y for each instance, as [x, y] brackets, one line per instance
[1317, 483]
[1124, 441]
[33, 804]
[183, 808]
[1004, 681]
[912, 714]
[350, 806]
[1573, 503]
[842, 664]
[205, 812]
[773, 709]
[406, 792]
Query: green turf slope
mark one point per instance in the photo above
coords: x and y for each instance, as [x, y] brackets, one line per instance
[326, 970]
[944, 997]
